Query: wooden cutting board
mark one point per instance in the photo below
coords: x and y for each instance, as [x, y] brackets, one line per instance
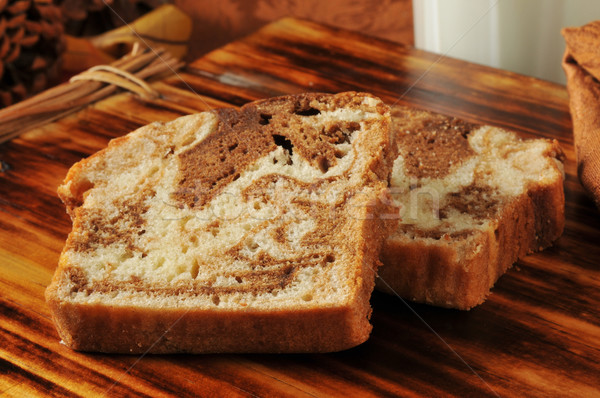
[537, 335]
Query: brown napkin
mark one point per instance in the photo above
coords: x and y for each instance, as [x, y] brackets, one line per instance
[581, 64]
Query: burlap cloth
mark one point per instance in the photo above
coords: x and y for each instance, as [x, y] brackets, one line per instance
[581, 64]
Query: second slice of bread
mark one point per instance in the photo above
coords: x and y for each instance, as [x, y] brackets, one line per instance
[251, 230]
[474, 199]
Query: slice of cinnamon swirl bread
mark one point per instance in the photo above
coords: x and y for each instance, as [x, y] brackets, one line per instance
[474, 199]
[251, 230]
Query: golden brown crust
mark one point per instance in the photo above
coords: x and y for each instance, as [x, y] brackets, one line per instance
[434, 274]
[459, 271]
[97, 327]
[101, 328]
[582, 72]
[90, 326]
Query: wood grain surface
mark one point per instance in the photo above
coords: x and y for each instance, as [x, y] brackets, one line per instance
[537, 335]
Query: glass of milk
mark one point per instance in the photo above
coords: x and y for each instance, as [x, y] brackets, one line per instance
[518, 35]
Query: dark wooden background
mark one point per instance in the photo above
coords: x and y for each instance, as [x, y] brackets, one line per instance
[537, 335]
[226, 20]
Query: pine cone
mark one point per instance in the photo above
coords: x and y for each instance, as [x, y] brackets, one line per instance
[31, 42]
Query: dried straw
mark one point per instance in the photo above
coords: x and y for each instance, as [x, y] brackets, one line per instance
[130, 72]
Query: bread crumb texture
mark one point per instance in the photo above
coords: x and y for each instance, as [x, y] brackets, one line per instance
[262, 207]
[473, 199]
[454, 178]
